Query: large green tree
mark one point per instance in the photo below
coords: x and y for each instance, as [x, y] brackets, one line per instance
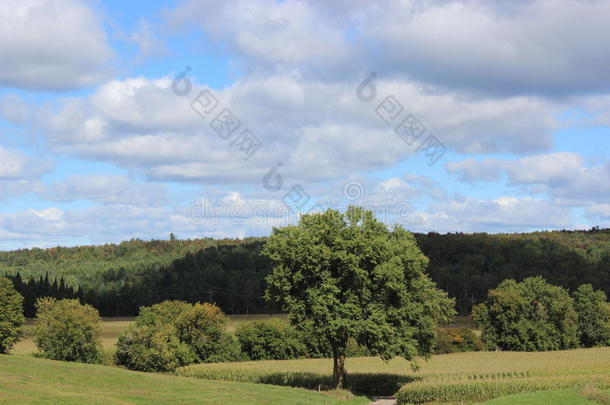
[351, 276]
[593, 316]
[11, 315]
[532, 315]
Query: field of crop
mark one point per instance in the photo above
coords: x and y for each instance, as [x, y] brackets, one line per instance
[586, 396]
[450, 377]
[27, 380]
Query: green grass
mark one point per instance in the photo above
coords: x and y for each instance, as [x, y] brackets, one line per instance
[28, 380]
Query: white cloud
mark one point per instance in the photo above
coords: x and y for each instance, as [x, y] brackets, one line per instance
[562, 175]
[51, 45]
[108, 189]
[504, 214]
[318, 130]
[15, 165]
[14, 109]
[270, 34]
[527, 47]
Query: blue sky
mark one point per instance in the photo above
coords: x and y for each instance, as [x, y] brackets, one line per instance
[507, 106]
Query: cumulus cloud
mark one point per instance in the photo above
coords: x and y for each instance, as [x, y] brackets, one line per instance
[16, 165]
[318, 130]
[527, 47]
[562, 175]
[504, 214]
[108, 189]
[14, 109]
[271, 35]
[52, 45]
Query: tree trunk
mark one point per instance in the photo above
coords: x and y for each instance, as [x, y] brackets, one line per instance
[339, 374]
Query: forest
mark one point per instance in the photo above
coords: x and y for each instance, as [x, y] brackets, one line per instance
[119, 278]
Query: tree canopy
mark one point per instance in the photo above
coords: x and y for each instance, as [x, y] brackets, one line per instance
[11, 315]
[351, 276]
[593, 316]
[532, 315]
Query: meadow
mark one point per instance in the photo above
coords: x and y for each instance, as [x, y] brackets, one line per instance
[29, 380]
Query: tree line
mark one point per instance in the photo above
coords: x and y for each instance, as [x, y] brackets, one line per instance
[231, 273]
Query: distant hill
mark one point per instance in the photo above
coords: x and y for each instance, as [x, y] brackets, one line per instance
[118, 278]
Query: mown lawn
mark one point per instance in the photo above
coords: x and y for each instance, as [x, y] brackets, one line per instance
[29, 380]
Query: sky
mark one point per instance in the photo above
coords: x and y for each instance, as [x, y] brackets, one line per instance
[123, 120]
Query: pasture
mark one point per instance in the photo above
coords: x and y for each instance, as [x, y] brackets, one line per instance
[28, 380]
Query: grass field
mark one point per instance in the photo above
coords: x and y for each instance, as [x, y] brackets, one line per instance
[446, 377]
[28, 380]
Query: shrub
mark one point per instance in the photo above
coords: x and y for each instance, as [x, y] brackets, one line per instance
[66, 330]
[528, 316]
[457, 340]
[152, 348]
[11, 315]
[593, 316]
[162, 313]
[173, 334]
[272, 339]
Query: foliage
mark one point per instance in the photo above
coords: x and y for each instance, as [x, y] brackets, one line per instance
[457, 340]
[202, 329]
[352, 277]
[172, 334]
[593, 316]
[468, 265]
[152, 348]
[272, 339]
[528, 316]
[11, 315]
[118, 279]
[66, 330]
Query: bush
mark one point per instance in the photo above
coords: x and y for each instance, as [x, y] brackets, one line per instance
[173, 334]
[272, 339]
[152, 348]
[66, 330]
[457, 340]
[11, 315]
[528, 316]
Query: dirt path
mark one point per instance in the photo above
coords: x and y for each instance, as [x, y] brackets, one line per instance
[384, 401]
